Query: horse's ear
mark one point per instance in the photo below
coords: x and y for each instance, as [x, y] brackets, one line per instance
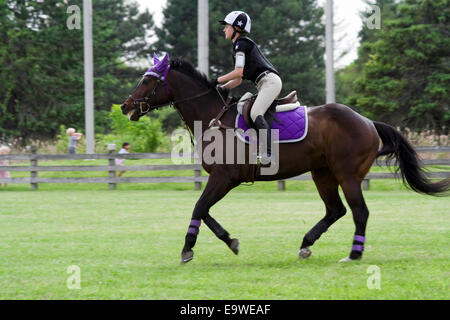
[155, 59]
[165, 60]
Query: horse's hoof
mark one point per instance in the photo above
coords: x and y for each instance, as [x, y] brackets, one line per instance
[347, 259]
[187, 256]
[304, 253]
[234, 246]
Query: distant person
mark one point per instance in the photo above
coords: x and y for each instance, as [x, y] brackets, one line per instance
[73, 138]
[120, 162]
[4, 174]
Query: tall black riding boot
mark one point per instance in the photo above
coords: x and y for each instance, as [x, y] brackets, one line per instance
[261, 123]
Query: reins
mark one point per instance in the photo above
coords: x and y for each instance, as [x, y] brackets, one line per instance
[193, 97]
[216, 121]
[147, 99]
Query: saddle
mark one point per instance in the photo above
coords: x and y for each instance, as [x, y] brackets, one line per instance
[287, 103]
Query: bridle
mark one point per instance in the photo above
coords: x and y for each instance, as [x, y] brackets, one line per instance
[143, 104]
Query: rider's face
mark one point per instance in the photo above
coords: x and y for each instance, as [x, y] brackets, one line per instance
[228, 31]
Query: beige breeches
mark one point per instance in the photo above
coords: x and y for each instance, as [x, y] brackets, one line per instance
[269, 87]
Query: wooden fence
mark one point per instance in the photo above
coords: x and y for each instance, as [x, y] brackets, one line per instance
[391, 175]
[34, 168]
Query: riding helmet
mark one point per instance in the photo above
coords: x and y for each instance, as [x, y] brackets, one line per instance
[238, 19]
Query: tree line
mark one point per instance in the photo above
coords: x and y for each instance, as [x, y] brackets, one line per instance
[401, 75]
[42, 67]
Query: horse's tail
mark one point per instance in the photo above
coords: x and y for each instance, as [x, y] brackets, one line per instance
[411, 170]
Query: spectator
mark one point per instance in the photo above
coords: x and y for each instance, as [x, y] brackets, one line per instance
[119, 162]
[73, 138]
[4, 174]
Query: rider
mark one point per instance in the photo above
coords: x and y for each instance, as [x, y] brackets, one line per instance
[251, 64]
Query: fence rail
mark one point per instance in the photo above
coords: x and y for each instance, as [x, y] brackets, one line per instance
[197, 178]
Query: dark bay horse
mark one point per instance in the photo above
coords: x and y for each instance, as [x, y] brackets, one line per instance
[339, 150]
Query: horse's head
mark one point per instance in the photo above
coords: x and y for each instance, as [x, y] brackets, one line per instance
[151, 92]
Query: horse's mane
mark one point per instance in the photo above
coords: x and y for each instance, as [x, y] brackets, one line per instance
[188, 69]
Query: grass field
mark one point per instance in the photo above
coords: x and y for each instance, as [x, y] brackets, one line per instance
[127, 245]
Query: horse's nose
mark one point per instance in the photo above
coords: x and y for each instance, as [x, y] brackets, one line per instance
[123, 107]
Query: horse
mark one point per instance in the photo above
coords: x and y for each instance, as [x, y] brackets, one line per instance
[339, 149]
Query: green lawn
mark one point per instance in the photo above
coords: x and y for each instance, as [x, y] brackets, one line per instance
[127, 245]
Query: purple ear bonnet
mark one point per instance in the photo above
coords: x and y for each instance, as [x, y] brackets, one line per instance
[161, 67]
[155, 58]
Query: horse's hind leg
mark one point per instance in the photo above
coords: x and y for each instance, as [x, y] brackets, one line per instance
[355, 199]
[327, 186]
[216, 188]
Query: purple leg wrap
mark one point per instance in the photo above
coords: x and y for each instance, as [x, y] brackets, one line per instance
[359, 238]
[193, 231]
[195, 223]
[357, 247]
[193, 226]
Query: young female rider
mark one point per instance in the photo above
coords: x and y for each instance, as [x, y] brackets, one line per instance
[251, 64]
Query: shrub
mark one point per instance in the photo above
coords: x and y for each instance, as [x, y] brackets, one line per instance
[145, 135]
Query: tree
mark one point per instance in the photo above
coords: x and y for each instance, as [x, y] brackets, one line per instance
[367, 36]
[347, 77]
[42, 74]
[405, 80]
[178, 34]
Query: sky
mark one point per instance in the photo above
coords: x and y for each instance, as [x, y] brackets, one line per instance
[346, 19]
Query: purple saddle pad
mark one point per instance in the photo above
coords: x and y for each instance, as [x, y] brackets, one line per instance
[293, 127]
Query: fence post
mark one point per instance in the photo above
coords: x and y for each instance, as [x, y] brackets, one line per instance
[281, 185]
[197, 184]
[366, 184]
[33, 163]
[111, 162]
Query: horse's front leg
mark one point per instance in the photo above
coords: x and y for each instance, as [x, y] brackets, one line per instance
[217, 187]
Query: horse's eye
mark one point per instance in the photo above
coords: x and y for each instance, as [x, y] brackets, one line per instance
[145, 82]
